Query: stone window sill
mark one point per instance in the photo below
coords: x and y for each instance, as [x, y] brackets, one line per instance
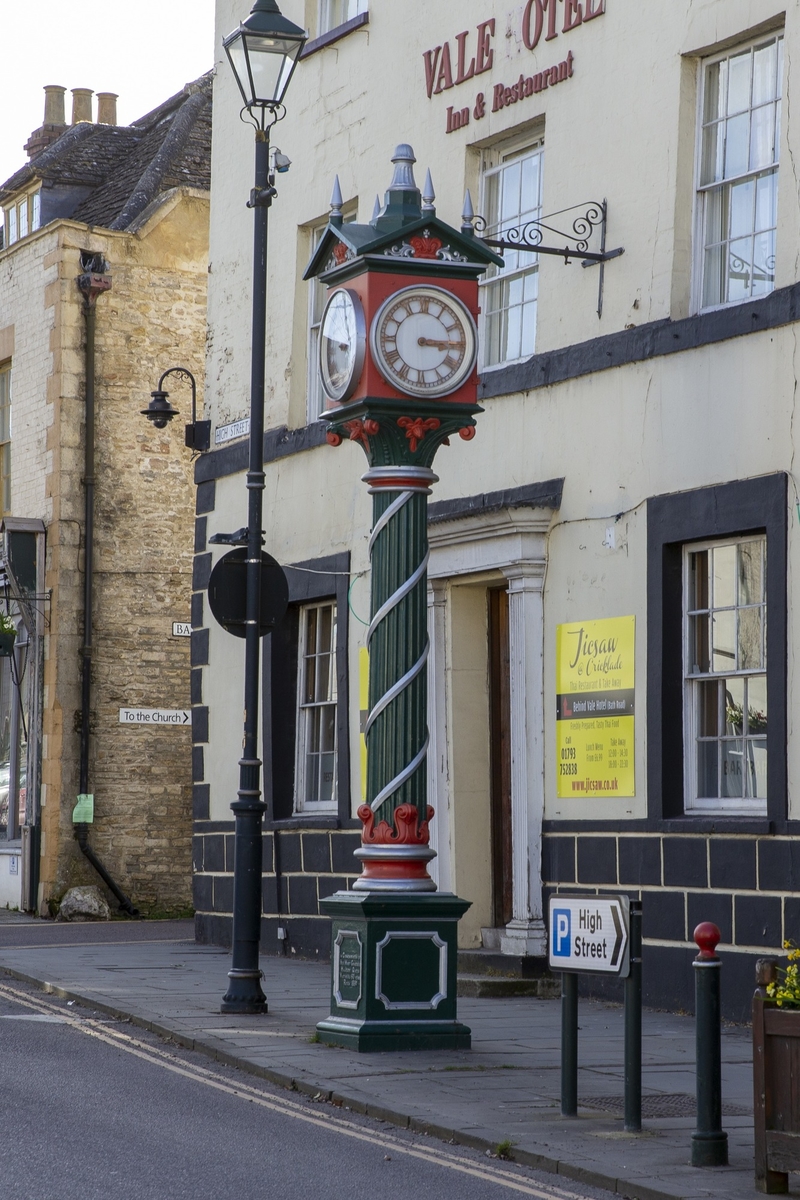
[333, 35]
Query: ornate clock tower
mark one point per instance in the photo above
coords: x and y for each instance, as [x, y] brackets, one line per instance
[398, 352]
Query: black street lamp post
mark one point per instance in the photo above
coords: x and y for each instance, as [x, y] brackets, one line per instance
[263, 53]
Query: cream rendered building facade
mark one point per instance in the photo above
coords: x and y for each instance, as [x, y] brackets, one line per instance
[616, 456]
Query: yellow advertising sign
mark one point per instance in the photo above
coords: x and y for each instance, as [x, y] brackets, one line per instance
[595, 708]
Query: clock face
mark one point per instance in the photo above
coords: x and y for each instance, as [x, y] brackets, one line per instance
[424, 341]
[342, 344]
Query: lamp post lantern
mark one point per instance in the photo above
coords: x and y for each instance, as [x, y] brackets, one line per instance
[263, 53]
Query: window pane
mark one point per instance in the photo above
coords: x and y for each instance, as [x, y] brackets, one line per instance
[22, 209]
[708, 712]
[698, 566]
[714, 276]
[734, 706]
[713, 153]
[750, 639]
[732, 777]
[740, 268]
[766, 201]
[11, 214]
[763, 263]
[724, 559]
[757, 704]
[737, 145]
[714, 97]
[739, 82]
[742, 196]
[707, 770]
[723, 657]
[762, 136]
[37, 210]
[700, 661]
[757, 769]
[764, 73]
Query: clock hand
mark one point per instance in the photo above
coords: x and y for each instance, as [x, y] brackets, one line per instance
[439, 345]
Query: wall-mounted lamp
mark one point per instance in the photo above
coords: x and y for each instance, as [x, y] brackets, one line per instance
[161, 412]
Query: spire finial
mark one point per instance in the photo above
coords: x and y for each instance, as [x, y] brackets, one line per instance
[376, 212]
[468, 215]
[403, 160]
[428, 196]
[402, 202]
[336, 217]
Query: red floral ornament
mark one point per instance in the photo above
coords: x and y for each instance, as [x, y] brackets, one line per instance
[406, 831]
[467, 433]
[425, 247]
[417, 427]
[340, 252]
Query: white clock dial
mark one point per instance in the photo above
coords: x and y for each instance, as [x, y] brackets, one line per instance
[342, 344]
[424, 341]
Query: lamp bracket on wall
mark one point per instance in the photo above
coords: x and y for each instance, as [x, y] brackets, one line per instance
[578, 225]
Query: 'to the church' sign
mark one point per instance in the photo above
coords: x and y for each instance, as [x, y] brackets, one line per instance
[447, 67]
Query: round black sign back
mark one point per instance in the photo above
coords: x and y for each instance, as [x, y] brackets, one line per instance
[227, 592]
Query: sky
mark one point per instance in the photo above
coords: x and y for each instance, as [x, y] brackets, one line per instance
[145, 50]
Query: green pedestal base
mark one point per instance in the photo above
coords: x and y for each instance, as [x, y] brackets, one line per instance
[393, 968]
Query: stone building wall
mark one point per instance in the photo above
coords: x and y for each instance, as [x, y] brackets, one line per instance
[152, 319]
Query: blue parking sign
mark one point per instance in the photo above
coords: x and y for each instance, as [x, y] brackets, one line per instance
[561, 933]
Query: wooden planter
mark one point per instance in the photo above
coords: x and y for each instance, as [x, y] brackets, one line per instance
[7, 644]
[776, 1095]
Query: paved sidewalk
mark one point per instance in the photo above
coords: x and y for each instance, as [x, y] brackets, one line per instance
[506, 1087]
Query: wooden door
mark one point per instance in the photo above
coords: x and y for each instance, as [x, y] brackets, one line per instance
[500, 734]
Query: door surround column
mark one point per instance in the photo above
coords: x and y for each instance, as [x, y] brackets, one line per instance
[525, 934]
[509, 543]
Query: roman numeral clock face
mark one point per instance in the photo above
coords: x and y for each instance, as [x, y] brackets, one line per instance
[424, 341]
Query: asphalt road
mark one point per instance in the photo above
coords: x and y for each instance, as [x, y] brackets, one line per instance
[91, 1108]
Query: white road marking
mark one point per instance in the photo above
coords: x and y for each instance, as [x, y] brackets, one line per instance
[439, 1157]
[46, 1018]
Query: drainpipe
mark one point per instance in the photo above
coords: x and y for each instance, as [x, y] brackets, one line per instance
[92, 283]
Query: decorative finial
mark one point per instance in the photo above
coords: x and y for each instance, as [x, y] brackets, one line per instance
[376, 212]
[428, 196]
[468, 215]
[336, 217]
[403, 160]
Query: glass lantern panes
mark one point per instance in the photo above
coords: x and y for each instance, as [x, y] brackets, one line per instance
[739, 155]
[511, 199]
[316, 716]
[726, 623]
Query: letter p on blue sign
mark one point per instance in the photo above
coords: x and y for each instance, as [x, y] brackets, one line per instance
[561, 933]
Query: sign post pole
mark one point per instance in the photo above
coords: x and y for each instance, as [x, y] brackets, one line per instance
[633, 1025]
[569, 1044]
[593, 934]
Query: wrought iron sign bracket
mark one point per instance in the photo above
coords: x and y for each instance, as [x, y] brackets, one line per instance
[590, 216]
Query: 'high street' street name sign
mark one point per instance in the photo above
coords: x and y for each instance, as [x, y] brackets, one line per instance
[589, 933]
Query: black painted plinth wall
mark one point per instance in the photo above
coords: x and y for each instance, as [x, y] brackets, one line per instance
[748, 886]
[312, 864]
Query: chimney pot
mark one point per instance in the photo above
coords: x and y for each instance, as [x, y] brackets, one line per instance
[81, 105]
[106, 108]
[54, 105]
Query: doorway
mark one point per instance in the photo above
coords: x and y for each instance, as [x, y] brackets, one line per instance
[500, 754]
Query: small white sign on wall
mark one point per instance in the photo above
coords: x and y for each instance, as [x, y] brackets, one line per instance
[181, 628]
[228, 433]
[13, 865]
[155, 716]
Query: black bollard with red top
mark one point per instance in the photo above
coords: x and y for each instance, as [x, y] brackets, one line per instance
[709, 1141]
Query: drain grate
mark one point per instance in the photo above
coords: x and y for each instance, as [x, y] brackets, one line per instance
[673, 1104]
